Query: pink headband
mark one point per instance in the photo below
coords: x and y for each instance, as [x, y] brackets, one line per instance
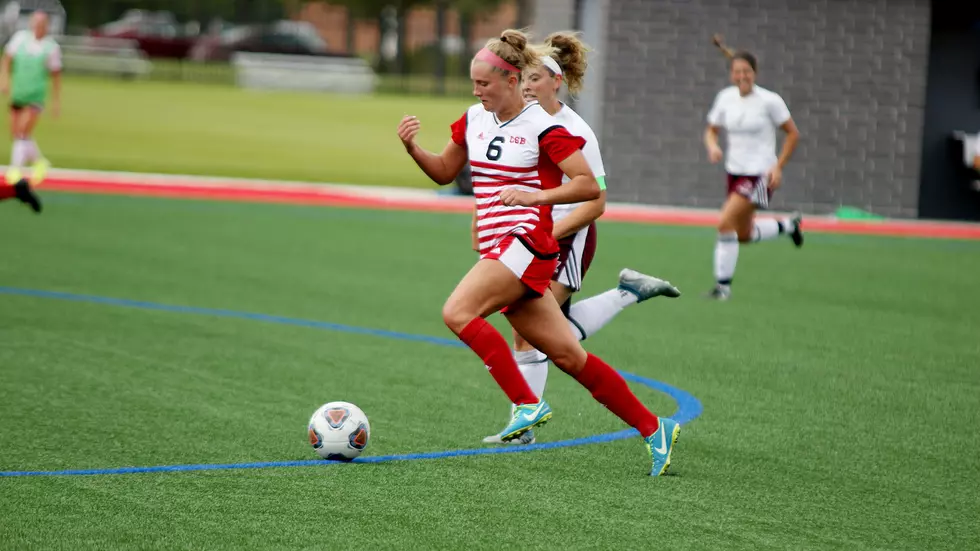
[495, 60]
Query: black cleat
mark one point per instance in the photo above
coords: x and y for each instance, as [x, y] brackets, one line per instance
[719, 293]
[796, 234]
[26, 195]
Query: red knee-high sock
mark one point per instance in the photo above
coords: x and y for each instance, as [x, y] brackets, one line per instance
[610, 389]
[491, 347]
[6, 192]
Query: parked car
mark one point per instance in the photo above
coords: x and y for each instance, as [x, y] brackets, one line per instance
[157, 33]
[281, 37]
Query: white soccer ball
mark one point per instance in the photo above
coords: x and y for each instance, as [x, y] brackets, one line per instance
[339, 431]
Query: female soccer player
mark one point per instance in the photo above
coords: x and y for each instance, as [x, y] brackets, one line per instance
[518, 153]
[575, 227]
[31, 63]
[750, 115]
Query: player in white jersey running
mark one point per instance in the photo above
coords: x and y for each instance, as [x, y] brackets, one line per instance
[518, 154]
[575, 227]
[750, 116]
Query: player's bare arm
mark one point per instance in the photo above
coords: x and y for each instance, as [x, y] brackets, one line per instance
[56, 93]
[582, 216]
[581, 187]
[789, 144]
[775, 176]
[442, 168]
[474, 234]
[711, 144]
[5, 64]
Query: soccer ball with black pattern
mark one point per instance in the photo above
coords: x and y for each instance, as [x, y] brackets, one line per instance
[339, 431]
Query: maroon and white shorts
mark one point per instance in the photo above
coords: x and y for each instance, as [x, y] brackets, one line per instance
[754, 187]
[575, 254]
[532, 268]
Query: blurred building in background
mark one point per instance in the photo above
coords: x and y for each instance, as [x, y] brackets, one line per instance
[886, 92]
[880, 90]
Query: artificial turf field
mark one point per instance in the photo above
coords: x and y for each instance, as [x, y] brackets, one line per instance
[839, 388]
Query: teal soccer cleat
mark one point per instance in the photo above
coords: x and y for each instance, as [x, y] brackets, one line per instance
[661, 443]
[525, 418]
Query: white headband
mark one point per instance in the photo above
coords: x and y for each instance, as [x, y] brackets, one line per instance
[550, 63]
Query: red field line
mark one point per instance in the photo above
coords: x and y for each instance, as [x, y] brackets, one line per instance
[327, 196]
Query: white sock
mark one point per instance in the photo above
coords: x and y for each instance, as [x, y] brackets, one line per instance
[786, 225]
[726, 257]
[18, 153]
[534, 366]
[765, 230]
[588, 316]
[33, 152]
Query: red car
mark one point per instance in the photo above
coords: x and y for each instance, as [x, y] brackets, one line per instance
[158, 34]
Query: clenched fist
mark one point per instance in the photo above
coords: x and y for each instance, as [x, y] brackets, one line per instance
[408, 129]
[516, 198]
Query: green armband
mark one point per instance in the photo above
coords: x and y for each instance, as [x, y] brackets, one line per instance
[602, 182]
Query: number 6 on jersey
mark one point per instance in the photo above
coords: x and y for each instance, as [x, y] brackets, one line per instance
[493, 150]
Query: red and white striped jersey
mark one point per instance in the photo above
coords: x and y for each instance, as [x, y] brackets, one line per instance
[523, 152]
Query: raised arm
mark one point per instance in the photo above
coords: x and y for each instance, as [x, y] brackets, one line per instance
[442, 168]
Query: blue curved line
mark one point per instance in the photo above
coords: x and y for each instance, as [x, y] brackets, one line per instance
[688, 407]
[109, 301]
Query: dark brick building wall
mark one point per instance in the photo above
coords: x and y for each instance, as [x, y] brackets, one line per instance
[853, 73]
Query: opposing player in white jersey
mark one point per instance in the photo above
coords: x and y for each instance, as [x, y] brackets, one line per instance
[575, 227]
[518, 154]
[750, 116]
